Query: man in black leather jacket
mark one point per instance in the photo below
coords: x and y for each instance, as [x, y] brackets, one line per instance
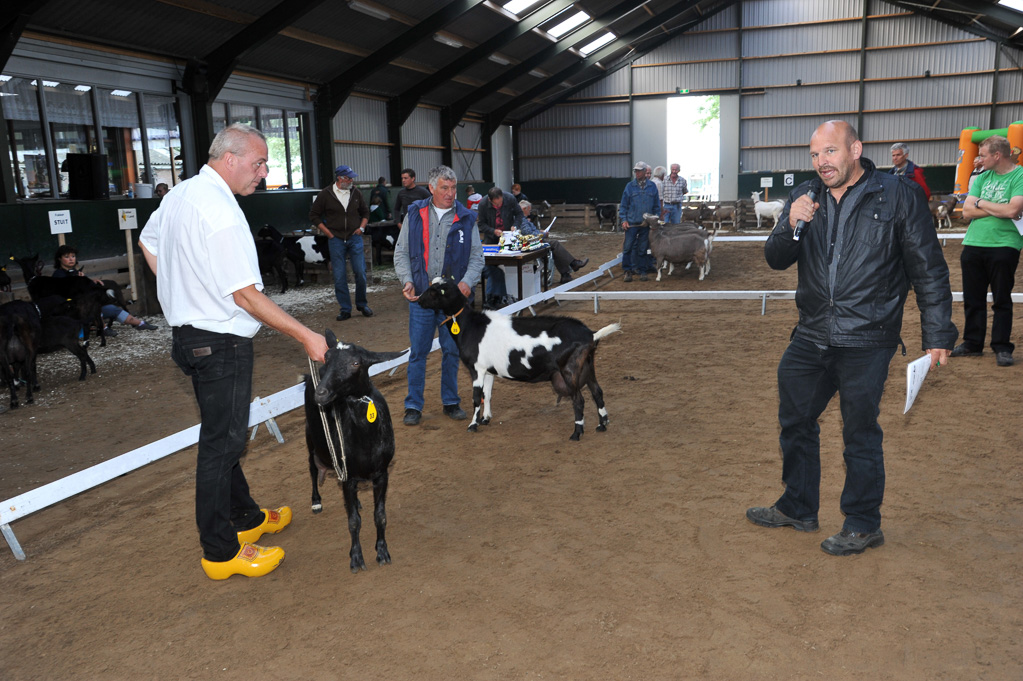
[868, 236]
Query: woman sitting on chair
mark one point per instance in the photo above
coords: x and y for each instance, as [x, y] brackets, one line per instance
[65, 265]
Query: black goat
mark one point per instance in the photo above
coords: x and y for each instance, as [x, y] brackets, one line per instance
[292, 251]
[271, 259]
[20, 330]
[531, 349]
[345, 392]
[31, 266]
[85, 296]
[59, 332]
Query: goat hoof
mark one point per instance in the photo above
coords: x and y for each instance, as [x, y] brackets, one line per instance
[485, 422]
[575, 437]
[317, 508]
[601, 428]
[473, 428]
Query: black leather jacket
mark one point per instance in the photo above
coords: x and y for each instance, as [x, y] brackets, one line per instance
[889, 243]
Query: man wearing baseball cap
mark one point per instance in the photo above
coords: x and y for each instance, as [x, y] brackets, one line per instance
[341, 214]
[639, 197]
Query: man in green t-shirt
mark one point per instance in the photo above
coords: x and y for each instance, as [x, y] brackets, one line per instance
[991, 251]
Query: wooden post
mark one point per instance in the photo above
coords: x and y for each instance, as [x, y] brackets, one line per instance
[60, 239]
[586, 216]
[131, 264]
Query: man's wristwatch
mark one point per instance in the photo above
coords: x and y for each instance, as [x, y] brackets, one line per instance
[976, 203]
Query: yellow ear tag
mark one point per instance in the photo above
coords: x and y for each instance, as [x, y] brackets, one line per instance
[371, 412]
[455, 329]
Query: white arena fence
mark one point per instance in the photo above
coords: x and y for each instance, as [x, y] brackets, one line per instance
[265, 409]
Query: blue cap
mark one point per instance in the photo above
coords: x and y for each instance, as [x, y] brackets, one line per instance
[345, 171]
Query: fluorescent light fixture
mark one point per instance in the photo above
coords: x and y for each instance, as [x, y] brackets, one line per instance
[568, 24]
[1012, 4]
[516, 6]
[444, 40]
[82, 88]
[50, 83]
[595, 45]
[498, 59]
[537, 74]
[120, 93]
[369, 10]
[4, 79]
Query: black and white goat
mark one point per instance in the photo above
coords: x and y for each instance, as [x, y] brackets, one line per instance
[531, 349]
[352, 403]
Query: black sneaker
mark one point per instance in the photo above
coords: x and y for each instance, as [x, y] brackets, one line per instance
[1004, 359]
[577, 265]
[365, 310]
[962, 350]
[772, 517]
[412, 417]
[847, 542]
[343, 316]
[643, 277]
[628, 277]
[455, 412]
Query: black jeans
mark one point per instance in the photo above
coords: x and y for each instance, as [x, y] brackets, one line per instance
[808, 378]
[983, 267]
[220, 366]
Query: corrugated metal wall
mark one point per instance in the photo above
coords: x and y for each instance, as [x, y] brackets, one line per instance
[467, 151]
[803, 62]
[359, 131]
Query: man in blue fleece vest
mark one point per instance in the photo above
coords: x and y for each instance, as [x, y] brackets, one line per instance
[438, 238]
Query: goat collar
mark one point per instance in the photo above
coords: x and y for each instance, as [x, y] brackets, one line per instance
[452, 317]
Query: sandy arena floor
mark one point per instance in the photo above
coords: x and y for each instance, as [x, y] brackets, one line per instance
[521, 555]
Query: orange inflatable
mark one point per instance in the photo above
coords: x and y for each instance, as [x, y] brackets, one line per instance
[969, 141]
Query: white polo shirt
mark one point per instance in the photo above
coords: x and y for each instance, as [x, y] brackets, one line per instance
[204, 253]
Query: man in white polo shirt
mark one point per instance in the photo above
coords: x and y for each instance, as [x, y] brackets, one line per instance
[199, 245]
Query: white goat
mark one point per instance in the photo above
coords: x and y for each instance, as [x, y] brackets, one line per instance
[767, 208]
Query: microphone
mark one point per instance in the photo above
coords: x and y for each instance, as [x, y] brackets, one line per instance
[815, 188]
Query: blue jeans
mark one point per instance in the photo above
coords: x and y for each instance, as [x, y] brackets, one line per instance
[674, 213]
[634, 253]
[220, 366]
[496, 285]
[808, 378]
[421, 326]
[351, 249]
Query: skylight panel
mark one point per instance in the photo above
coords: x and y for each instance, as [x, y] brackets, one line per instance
[577, 19]
[518, 6]
[595, 45]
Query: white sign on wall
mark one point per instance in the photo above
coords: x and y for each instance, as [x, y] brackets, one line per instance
[790, 179]
[127, 218]
[766, 182]
[60, 221]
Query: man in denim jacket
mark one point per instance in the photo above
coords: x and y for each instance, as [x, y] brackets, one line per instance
[640, 196]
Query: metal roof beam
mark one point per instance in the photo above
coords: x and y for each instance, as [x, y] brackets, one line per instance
[459, 108]
[672, 11]
[222, 61]
[13, 21]
[411, 97]
[340, 87]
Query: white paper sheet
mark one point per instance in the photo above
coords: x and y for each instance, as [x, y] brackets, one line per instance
[1019, 225]
[916, 372]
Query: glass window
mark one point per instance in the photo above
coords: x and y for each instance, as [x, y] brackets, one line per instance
[243, 113]
[28, 149]
[69, 111]
[295, 129]
[164, 139]
[271, 124]
[219, 117]
[119, 116]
